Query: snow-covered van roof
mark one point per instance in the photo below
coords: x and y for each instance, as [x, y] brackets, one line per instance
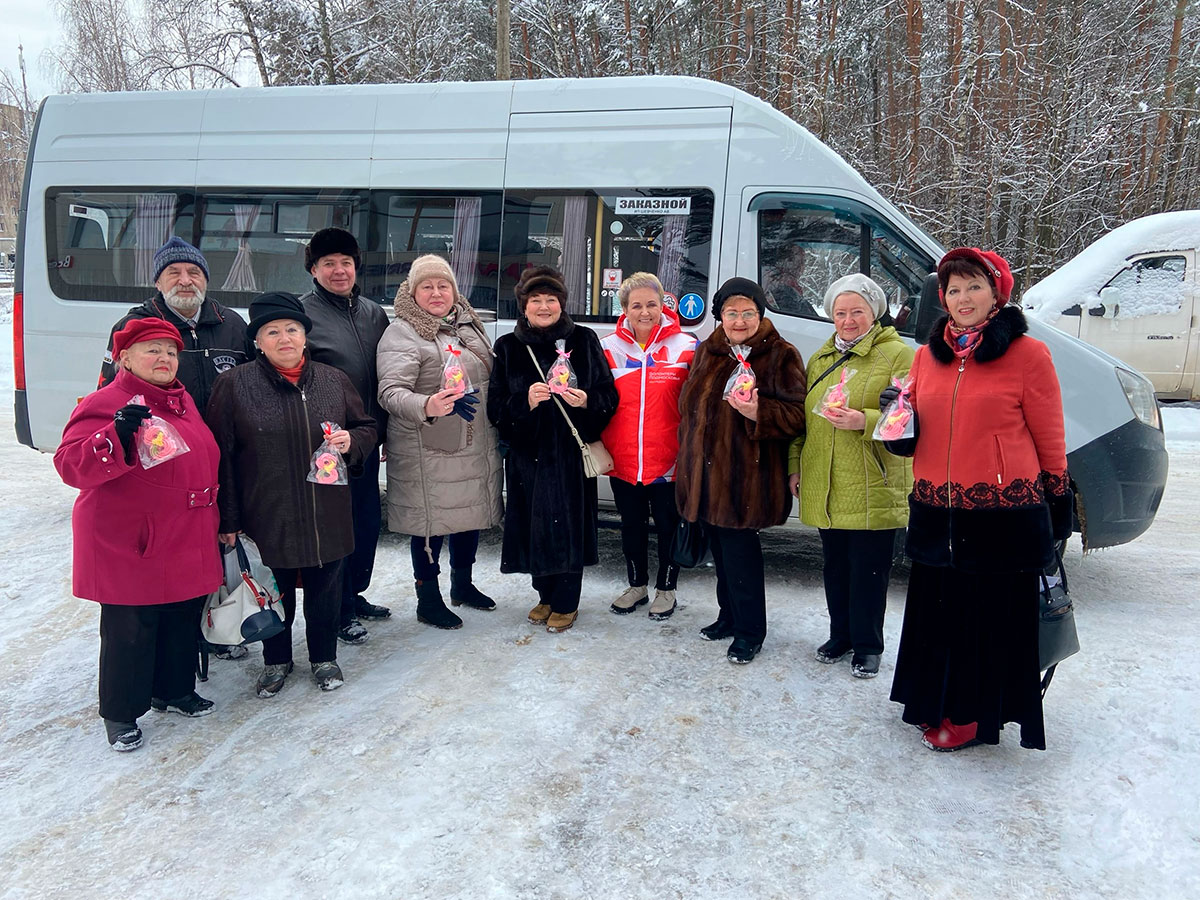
[1080, 279]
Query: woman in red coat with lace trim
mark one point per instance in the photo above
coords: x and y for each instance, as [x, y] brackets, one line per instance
[145, 543]
[990, 498]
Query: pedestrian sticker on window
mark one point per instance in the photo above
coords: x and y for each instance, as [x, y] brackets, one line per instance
[654, 206]
[691, 307]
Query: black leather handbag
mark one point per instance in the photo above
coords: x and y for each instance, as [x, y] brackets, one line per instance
[690, 548]
[1057, 638]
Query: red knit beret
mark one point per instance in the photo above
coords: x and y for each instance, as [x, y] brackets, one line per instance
[995, 265]
[151, 329]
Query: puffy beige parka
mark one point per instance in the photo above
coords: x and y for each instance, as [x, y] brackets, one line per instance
[443, 474]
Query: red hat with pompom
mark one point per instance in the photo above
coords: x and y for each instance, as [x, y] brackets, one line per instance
[995, 265]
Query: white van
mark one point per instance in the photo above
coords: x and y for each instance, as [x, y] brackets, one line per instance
[1133, 293]
[690, 179]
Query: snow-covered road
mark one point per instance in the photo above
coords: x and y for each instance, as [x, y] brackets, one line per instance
[622, 759]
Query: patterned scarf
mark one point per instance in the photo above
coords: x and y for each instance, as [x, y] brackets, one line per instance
[843, 346]
[963, 341]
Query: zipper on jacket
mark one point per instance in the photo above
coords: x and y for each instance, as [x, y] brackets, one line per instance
[642, 415]
[312, 491]
[999, 459]
[962, 364]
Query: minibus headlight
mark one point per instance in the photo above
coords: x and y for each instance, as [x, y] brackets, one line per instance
[1140, 394]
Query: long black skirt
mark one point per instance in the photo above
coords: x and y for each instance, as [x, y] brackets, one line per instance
[969, 652]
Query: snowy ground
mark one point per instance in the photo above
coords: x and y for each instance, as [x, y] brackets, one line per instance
[621, 759]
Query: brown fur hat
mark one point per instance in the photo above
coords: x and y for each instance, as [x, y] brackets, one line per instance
[540, 280]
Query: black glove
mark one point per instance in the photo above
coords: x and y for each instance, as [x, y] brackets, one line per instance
[127, 420]
[888, 395]
[464, 406]
[1062, 514]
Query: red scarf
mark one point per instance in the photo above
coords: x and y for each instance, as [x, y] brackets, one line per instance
[963, 341]
[292, 375]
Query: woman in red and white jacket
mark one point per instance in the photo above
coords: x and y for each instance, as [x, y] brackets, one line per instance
[649, 356]
[990, 497]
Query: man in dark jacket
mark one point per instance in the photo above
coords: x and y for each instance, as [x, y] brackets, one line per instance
[346, 330]
[214, 336]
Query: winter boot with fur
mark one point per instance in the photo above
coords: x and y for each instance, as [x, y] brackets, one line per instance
[431, 608]
[463, 593]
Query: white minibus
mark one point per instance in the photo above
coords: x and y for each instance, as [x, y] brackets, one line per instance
[603, 177]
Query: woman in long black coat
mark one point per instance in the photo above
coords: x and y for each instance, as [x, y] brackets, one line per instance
[550, 516]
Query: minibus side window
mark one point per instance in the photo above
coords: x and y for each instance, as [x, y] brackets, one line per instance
[254, 240]
[101, 242]
[464, 228]
[599, 237]
[807, 243]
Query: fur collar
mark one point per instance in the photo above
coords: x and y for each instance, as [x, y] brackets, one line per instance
[425, 325]
[528, 334]
[718, 344]
[1008, 325]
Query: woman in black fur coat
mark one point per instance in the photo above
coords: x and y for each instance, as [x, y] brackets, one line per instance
[550, 514]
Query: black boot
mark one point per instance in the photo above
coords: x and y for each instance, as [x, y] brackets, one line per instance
[431, 608]
[463, 593]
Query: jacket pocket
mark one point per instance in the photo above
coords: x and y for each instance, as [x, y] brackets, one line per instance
[999, 459]
[873, 452]
[145, 539]
[445, 434]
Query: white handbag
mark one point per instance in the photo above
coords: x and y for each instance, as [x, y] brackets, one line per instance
[244, 609]
[597, 460]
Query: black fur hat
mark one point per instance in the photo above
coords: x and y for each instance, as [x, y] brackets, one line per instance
[331, 240]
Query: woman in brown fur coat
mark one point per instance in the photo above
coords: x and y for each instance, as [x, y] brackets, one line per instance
[733, 456]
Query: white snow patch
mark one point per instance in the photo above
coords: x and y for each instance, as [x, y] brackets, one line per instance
[1080, 279]
[623, 758]
[1181, 422]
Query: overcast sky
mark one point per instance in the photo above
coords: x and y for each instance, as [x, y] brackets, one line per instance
[31, 23]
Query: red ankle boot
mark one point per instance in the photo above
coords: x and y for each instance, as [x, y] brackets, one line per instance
[948, 736]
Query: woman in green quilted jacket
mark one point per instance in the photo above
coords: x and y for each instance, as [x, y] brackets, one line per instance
[850, 488]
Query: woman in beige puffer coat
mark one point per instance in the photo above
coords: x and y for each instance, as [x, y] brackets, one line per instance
[443, 463]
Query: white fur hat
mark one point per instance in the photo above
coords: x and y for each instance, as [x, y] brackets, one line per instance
[860, 284]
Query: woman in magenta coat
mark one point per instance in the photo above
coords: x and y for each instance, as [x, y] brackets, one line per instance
[145, 543]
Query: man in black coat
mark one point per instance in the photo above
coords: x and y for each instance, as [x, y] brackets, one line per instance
[345, 333]
[214, 336]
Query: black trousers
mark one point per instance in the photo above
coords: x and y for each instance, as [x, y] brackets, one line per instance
[858, 564]
[741, 584]
[463, 546]
[559, 592]
[322, 597]
[146, 651]
[633, 501]
[368, 517]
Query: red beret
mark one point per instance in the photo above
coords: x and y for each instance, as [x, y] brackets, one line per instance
[137, 330]
[994, 264]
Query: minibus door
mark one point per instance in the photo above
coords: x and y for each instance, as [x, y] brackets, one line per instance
[796, 244]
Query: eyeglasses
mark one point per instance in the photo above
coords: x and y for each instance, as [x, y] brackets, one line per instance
[732, 315]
